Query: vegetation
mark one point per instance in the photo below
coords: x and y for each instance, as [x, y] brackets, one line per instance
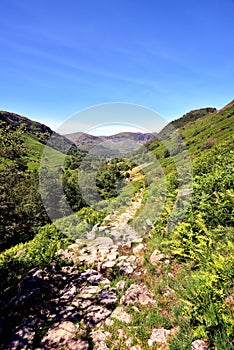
[198, 245]
[37, 253]
[201, 248]
[110, 177]
[21, 209]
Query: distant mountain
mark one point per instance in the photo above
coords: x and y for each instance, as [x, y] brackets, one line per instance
[119, 142]
[42, 132]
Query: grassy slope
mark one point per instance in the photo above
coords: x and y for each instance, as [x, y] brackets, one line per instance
[35, 151]
[201, 248]
[216, 126]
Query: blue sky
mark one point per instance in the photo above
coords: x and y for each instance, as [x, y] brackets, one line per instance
[59, 57]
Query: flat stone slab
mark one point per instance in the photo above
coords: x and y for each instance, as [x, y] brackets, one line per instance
[107, 297]
[93, 277]
[58, 336]
[68, 292]
[108, 264]
[82, 303]
[88, 292]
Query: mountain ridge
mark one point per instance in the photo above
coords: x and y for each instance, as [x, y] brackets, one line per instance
[87, 141]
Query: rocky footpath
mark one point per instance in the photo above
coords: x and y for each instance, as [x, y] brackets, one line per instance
[75, 304]
[63, 307]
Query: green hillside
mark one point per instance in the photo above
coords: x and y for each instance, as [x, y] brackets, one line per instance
[22, 210]
[201, 247]
[36, 148]
[199, 133]
[42, 132]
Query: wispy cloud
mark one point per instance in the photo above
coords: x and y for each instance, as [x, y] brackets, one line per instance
[80, 67]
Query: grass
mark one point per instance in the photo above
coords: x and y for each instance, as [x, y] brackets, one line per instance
[37, 151]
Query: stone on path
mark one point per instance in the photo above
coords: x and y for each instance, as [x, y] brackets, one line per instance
[107, 297]
[126, 268]
[95, 315]
[109, 264]
[137, 294]
[68, 292]
[59, 335]
[93, 277]
[88, 292]
[24, 334]
[113, 255]
[77, 344]
[100, 346]
[99, 337]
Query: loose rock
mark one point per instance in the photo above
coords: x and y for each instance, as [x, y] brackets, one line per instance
[126, 268]
[156, 257]
[88, 292]
[139, 249]
[158, 336]
[100, 335]
[121, 285]
[108, 264]
[77, 344]
[199, 345]
[120, 314]
[24, 334]
[93, 277]
[100, 346]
